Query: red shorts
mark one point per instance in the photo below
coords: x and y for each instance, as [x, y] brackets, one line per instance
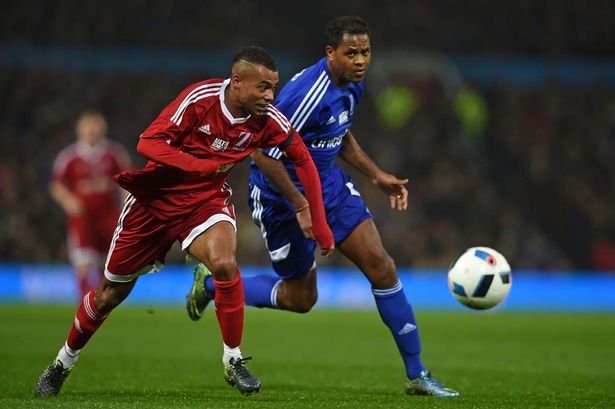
[141, 241]
[89, 237]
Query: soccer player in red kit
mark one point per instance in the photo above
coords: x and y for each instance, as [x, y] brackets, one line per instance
[82, 185]
[182, 195]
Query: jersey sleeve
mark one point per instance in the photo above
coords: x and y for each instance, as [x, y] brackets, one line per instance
[286, 102]
[310, 180]
[175, 120]
[279, 133]
[59, 171]
[161, 141]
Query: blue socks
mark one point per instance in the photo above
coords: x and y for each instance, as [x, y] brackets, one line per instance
[260, 291]
[397, 314]
[395, 311]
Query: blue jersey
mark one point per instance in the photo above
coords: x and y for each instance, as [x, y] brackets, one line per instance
[321, 112]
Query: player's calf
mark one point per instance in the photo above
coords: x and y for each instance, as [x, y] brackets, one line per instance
[300, 301]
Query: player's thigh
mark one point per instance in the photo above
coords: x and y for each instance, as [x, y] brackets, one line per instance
[209, 235]
[365, 249]
[301, 285]
[139, 245]
[216, 248]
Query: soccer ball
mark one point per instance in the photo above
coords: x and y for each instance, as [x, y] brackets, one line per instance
[480, 278]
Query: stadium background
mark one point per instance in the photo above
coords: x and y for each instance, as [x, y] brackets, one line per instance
[501, 113]
[502, 116]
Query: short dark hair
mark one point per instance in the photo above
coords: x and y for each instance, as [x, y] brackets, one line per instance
[352, 25]
[256, 55]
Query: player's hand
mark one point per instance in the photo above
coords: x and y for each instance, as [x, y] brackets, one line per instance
[73, 207]
[304, 218]
[395, 188]
[225, 167]
[328, 251]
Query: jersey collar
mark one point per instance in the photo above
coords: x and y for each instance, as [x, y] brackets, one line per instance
[91, 152]
[225, 110]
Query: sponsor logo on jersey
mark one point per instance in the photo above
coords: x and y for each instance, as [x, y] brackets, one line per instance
[244, 141]
[219, 144]
[330, 120]
[205, 129]
[343, 118]
[327, 143]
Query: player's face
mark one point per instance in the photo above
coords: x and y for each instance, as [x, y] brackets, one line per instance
[255, 89]
[350, 60]
[91, 129]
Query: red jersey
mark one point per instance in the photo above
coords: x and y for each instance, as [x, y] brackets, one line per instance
[195, 126]
[87, 172]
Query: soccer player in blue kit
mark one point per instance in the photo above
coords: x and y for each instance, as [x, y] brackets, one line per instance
[320, 102]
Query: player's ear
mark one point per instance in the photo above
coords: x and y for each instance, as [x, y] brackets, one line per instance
[329, 50]
[235, 79]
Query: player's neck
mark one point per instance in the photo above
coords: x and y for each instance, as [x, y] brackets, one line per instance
[232, 105]
[337, 80]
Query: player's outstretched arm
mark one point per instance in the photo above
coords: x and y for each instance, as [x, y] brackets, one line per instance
[276, 173]
[394, 187]
[158, 150]
[308, 176]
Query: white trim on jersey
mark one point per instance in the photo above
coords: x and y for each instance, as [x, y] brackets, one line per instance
[307, 96]
[216, 218]
[128, 203]
[257, 212]
[150, 268]
[309, 102]
[275, 153]
[192, 97]
[279, 118]
[225, 111]
[316, 99]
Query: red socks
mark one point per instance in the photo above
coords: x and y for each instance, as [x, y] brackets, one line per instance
[229, 309]
[87, 320]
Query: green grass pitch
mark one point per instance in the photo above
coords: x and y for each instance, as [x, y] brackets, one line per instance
[157, 358]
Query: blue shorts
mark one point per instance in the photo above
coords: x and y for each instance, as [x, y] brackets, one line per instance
[292, 255]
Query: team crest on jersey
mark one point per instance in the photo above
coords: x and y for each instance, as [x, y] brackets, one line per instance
[244, 141]
[343, 118]
[206, 129]
[219, 144]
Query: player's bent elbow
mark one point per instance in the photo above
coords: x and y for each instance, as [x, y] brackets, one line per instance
[142, 147]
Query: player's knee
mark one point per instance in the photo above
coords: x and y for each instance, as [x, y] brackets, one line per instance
[384, 273]
[223, 268]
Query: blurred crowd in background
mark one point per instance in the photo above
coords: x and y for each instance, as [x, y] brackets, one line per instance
[526, 169]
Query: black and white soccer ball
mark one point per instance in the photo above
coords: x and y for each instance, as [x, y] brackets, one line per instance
[480, 278]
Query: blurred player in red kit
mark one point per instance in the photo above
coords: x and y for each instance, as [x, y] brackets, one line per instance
[182, 195]
[82, 185]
